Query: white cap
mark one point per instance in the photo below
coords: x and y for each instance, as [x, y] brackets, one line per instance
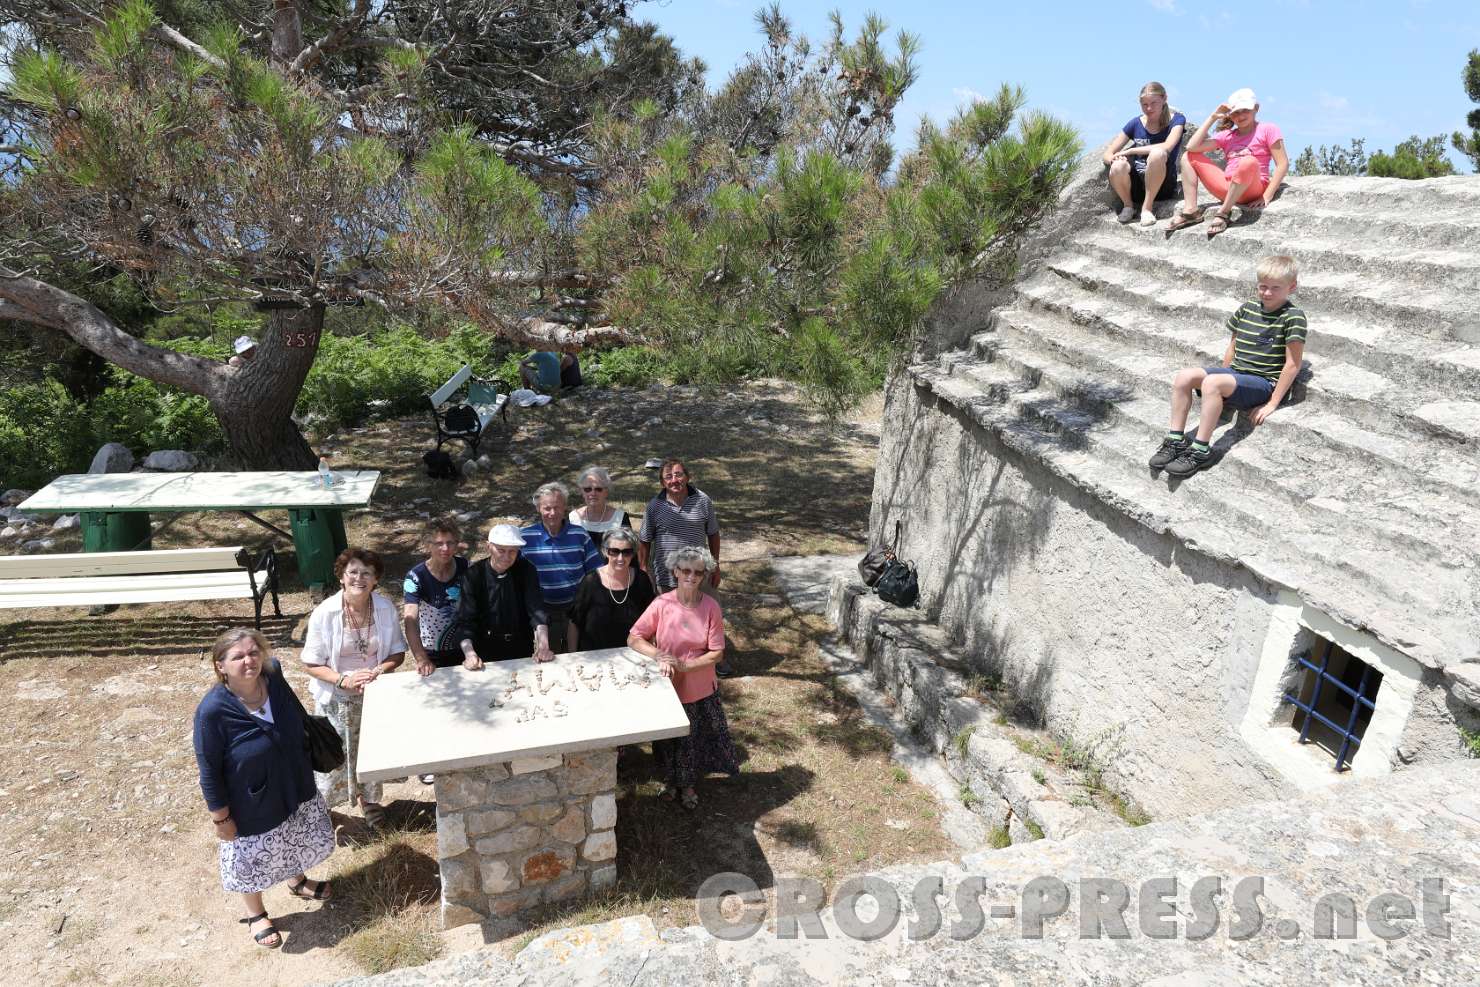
[505, 536]
[243, 343]
[1242, 99]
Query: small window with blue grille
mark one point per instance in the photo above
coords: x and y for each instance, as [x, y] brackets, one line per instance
[1336, 698]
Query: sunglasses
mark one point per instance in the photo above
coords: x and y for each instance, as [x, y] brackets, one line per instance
[592, 489]
[619, 551]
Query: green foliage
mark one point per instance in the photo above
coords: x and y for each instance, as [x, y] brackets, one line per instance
[1471, 740]
[1333, 160]
[45, 80]
[43, 432]
[1469, 144]
[999, 838]
[629, 366]
[1413, 159]
[1034, 830]
[962, 740]
[969, 799]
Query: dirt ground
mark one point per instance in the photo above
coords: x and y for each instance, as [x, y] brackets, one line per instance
[107, 865]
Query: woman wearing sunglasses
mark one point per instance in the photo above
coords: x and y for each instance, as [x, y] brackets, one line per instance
[610, 599]
[685, 632]
[596, 515]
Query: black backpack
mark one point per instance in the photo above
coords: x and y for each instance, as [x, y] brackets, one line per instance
[440, 465]
[898, 585]
[459, 419]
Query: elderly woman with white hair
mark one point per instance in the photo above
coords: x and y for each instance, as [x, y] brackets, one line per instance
[561, 553]
[596, 515]
[685, 632]
[609, 600]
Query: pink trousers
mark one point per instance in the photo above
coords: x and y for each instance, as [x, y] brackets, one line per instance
[1245, 172]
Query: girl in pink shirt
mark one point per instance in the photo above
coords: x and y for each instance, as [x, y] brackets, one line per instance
[685, 632]
[1249, 149]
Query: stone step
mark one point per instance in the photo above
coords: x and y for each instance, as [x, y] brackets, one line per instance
[1184, 325]
[1343, 247]
[1276, 471]
[1417, 309]
[1304, 432]
[1360, 582]
[1456, 197]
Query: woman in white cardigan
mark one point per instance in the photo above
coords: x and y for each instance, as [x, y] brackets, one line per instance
[353, 638]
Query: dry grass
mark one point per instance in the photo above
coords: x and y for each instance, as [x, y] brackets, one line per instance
[389, 887]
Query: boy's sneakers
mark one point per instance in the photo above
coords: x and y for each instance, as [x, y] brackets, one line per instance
[1127, 215]
[1171, 447]
[1189, 462]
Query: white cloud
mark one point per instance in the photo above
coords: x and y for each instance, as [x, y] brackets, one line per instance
[1334, 103]
[1165, 6]
[965, 94]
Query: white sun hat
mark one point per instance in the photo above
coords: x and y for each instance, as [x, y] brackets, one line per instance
[1242, 99]
[505, 536]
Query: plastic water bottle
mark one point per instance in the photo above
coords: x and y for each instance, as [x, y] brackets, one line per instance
[325, 474]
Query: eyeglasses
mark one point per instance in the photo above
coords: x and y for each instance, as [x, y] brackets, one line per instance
[592, 489]
[619, 551]
[689, 572]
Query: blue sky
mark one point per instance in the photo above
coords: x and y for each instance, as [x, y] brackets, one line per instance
[1325, 72]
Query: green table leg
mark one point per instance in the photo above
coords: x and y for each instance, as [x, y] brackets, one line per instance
[318, 537]
[115, 531]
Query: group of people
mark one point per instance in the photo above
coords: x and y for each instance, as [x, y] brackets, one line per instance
[1146, 160]
[1266, 338]
[574, 580]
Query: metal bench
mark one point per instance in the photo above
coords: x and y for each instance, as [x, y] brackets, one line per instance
[483, 403]
[89, 579]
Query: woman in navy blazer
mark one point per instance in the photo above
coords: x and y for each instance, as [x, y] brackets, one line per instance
[257, 780]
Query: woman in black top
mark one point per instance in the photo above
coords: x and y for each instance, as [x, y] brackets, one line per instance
[610, 599]
[257, 781]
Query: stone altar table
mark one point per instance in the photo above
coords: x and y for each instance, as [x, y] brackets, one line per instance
[526, 765]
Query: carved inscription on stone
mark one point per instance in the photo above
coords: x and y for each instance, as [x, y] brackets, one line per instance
[539, 688]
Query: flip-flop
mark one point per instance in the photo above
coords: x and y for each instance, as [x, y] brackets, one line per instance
[320, 890]
[266, 934]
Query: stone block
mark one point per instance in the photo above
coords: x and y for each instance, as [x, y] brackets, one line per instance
[14, 496]
[498, 877]
[523, 790]
[527, 765]
[541, 812]
[572, 826]
[548, 864]
[603, 812]
[518, 838]
[114, 457]
[459, 878]
[487, 821]
[564, 888]
[458, 790]
[594, 771]
[452, 834]
[1464, 681]
[508, 904]
[604, 877]
[454, 915]
[170, 461]
[600, 846]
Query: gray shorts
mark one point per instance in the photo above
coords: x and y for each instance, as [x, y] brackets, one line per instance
[1251, 390]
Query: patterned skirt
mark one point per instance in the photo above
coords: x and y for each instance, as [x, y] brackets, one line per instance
[342, 786]
[255, 863]
[708, 748]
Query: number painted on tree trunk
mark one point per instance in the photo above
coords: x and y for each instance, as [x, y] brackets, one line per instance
[300, 340]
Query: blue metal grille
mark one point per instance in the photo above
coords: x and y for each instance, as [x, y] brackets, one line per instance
[1324, 679]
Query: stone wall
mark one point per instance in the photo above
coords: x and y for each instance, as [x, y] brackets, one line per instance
[527, 832]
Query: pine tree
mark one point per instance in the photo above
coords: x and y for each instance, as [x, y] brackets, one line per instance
[1469, 146]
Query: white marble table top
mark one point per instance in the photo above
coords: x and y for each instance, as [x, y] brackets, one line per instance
[454, 718]
[170, 492]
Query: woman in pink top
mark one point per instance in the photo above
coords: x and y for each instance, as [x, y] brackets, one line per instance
[684, 631]
[1249, 147]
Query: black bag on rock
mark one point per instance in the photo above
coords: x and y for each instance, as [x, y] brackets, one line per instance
[899, 584]
[440, 465]
[873, 564]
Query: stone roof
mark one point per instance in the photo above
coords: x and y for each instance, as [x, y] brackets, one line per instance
[1364, 496]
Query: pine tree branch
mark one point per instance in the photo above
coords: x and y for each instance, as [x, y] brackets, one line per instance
[168, 34]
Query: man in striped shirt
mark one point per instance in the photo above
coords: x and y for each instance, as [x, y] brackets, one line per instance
[562, 553]
[1265, 347]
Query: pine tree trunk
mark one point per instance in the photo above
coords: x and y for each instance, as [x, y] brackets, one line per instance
[256, 406]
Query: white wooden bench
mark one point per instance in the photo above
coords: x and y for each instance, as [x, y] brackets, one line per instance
[88, 579]
[484, 401]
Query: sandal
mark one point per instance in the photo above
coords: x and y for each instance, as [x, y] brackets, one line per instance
[266, 934]
[320, 890]
[1184, 218]
[667, 794]
[690, 800]
[1217, 224]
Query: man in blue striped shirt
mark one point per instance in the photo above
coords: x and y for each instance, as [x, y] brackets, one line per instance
[562, 553]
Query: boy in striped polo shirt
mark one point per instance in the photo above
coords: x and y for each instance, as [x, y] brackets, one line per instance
[1265, 346]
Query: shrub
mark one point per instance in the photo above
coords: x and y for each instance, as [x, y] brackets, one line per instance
[43, 432]
[397, 369]
[629, 366]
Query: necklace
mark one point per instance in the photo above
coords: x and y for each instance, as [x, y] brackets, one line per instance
[359, 634]
[625, 593]
[249, 704]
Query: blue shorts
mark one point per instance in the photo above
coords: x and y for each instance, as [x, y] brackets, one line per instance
[1252, 391]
